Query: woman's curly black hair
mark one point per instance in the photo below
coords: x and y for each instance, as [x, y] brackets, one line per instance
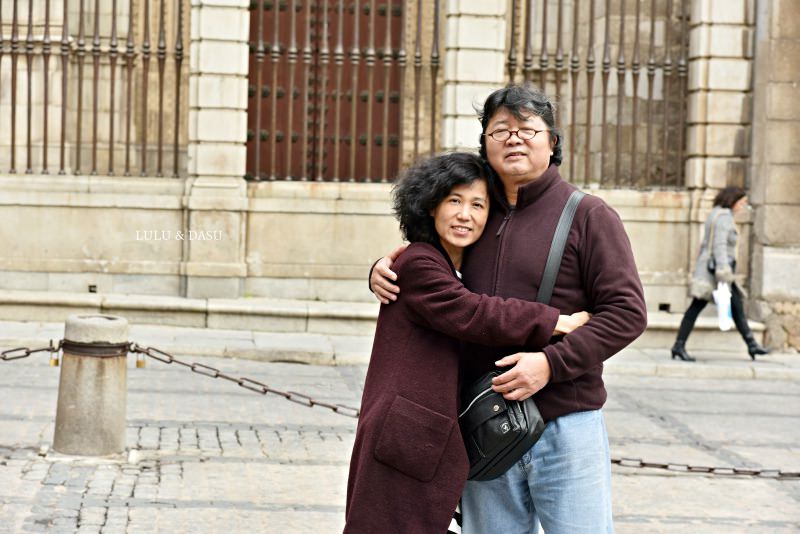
[521, 100]
[424, 185]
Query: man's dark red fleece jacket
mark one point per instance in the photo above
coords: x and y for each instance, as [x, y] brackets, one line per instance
[598, 274]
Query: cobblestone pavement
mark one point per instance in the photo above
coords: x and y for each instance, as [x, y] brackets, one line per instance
[207, 456]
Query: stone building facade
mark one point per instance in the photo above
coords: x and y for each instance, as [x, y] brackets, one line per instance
[163, 246]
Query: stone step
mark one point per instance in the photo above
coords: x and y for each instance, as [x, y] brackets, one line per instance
[294, 316]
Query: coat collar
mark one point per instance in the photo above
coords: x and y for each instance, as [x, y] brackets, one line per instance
[528, 193]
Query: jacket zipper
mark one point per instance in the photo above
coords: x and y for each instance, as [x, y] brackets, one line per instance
[499, 259]
[505, 221]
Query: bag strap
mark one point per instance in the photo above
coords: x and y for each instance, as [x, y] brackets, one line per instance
[711, 234]
[557, 247]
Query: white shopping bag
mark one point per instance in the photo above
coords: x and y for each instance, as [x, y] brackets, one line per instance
[722, 298]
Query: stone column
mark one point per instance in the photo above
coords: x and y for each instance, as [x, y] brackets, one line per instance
[719, 110]
[217, 193]
[775, 172]
[474, 59]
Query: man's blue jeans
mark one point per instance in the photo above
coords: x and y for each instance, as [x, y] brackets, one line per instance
[562, 483]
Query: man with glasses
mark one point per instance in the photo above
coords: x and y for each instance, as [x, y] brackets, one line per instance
[564, 481]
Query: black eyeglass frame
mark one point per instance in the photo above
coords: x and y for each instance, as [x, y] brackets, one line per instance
[515, 132]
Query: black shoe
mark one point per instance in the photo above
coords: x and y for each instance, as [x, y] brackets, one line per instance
[754, 349]
[679, 351]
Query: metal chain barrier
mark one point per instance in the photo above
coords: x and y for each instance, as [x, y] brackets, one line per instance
[349, 411]
[708, 470]
[246, 383]
[24, 352]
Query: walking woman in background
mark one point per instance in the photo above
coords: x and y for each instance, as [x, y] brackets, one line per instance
[718, 251]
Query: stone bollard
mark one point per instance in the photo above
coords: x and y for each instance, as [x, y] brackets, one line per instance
[91, 418]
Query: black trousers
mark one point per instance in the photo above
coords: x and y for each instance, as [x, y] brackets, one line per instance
[697, 305]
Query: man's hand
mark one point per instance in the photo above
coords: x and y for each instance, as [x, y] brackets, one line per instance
[381, 282]
[531, 372]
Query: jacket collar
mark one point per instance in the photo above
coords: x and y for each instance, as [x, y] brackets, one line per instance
[528, 193]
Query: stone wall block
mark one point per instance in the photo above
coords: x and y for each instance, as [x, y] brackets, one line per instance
[478, 7]
[221, 125]
[785, 60]
[772, 227]
[221, 159]
[782, 184]
[730, 74]
[215, 22]
[726, 140]
[478, 32]
[781, 142]
[783, 101]
[785, 17]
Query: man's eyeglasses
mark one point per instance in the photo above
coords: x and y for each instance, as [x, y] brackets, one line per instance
[525, 134]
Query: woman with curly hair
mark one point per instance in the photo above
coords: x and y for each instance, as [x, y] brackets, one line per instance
[409, 464]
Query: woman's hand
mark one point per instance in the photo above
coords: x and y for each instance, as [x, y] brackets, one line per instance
[569, 323]
[381, 281]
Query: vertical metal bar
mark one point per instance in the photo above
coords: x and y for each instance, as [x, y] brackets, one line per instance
[113, 53]
[574, 67]
[324, 60]
[260, 53]
[161, 54]
[292, 59]
[145, 72]
[682, 73]
[64, 75]
[401, 62]
[178, 65]
[370, 61]
[338, 58]
[620, 91]
[418, 78]
[544, 59]
[81, 57]
[275, 55]
[355, 61]
[434, 73]
[14, 57]
[129, 57]
[307, 157]
[29, 67]
[46, 50]
[635, 73]
[387, 71]
[511, 63]
[651, 75]
[95, 80]
[667, 73]
[527, 61]
[589, 95]
[605, 74]
[559, 50]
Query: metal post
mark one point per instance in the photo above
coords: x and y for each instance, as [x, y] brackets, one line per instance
[92, 393]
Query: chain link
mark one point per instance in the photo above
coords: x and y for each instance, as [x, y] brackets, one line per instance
[24, 352]
[246, 383]
[708, 470]
[350, 411]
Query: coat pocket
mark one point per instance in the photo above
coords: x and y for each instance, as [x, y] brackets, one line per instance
[413, 439]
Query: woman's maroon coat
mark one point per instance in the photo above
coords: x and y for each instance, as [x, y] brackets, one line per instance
[409, 464]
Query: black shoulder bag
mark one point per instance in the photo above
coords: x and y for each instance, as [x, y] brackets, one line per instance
[498, 432]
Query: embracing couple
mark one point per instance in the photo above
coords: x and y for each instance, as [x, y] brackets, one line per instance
[456, 305]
